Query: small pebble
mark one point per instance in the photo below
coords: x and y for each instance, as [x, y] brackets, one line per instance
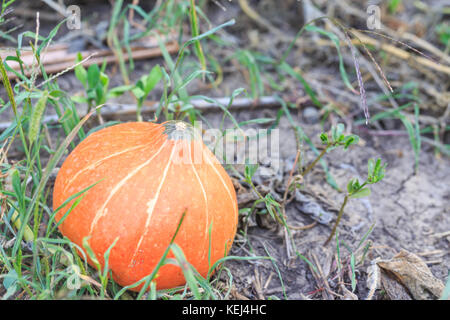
[311, 115]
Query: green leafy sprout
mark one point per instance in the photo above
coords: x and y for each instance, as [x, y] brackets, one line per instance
[355, 189]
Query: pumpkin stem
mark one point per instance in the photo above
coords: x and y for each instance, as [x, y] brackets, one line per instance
[180, 130]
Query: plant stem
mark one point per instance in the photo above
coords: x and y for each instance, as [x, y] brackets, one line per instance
[315, 161]
[341, 211]
[290, 177]
[139, 111]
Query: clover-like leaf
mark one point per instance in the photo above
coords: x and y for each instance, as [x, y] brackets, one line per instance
[370, 167]
[93, 76]
[376, 170]
[80, 72]
[337, 132]
[138, 92]
[364, 192]
[349, 140]
[324, 138]
[353, 185]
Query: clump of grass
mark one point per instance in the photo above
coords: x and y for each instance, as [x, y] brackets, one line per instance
[40, 263]
[353, 260]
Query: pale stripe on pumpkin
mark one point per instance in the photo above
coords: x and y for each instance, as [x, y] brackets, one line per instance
[100, 213]
[98, 162]
[204, 196]
[151, 205]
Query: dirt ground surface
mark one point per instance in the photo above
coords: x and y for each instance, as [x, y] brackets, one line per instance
[408, 210]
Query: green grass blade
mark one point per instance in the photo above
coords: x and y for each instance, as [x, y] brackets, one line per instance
[195, 34]
[187, 270]
[200, 37]
[46, 175]
[336, 43]
[289, 70]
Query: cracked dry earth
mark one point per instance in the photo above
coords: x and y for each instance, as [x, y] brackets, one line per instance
[409, 211]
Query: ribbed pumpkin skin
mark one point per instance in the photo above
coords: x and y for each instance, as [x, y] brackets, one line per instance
[140, 196]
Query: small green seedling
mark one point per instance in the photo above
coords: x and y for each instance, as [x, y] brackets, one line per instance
[272, 206]
[335, 140]
[338, 138]
[96, 84]
[249, 172]
[144, 86]
[355, 189]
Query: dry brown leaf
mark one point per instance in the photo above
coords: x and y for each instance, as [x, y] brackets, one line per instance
[413, 274]
[393, 289]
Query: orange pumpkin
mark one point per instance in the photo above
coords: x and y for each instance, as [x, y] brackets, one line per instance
[147, 176]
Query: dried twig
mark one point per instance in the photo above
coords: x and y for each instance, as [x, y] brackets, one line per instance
[252, 14]
[65, 71]
[58, 59]
[320, 278]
